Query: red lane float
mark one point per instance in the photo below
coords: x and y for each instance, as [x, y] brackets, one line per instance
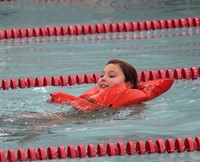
[116, 96]
[139, 147]
[144, 75]
[98, 28]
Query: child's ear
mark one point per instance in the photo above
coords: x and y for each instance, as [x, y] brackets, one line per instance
[129, 84]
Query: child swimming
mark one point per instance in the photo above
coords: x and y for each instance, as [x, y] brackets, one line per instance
[117, 87]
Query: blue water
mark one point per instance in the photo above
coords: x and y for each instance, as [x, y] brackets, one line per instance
[174, 114]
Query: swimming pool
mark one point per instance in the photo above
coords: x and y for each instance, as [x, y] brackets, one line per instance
[172, 115]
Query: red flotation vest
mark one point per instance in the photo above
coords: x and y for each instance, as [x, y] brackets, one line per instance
[116, 96]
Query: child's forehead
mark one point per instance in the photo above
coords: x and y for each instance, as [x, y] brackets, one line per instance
[112, 68]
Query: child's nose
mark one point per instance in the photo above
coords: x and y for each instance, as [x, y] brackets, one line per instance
[103, 78]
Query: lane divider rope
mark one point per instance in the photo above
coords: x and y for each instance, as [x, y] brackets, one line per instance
[139, 147]
[113, 36]
[84, 29]
[144, 75]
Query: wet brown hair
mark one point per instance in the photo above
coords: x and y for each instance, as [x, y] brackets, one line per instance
[128, 70]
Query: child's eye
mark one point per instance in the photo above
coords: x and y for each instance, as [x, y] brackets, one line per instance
[112, 76]
[101, 76]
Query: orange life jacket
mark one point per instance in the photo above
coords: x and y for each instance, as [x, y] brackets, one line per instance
[116, 96]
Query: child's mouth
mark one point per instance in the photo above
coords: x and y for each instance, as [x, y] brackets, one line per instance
[104, 86]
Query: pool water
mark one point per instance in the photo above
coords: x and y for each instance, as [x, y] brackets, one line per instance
[174, 114]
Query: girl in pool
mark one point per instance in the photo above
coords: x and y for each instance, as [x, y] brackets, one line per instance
[117, 87]
[116, 74]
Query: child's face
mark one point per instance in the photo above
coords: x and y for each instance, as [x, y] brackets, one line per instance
[111, 75]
